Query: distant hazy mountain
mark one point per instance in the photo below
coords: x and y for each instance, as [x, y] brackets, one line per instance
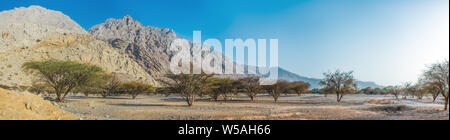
[289, 76]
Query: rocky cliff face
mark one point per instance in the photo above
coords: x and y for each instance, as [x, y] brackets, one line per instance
[148, 46]
[55, 36]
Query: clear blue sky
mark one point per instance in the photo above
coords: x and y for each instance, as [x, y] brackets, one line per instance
[385, 41]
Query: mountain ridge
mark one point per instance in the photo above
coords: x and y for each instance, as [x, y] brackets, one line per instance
[126, 38]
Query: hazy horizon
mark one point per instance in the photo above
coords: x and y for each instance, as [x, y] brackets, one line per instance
[385, 41]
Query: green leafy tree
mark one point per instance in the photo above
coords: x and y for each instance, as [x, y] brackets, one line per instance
[339, 83]
[315, 91]
[188, 86]
[38, 88]
[277, 89]
[432, 89]
[220, 87]
[135, 89]
[395, 90]
[251, 86]
[63, 76]
[300, 87]
[110, 85]
[93, 86]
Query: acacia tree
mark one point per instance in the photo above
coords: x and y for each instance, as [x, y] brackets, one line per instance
[136, 88]
[300, 87]
[189, 86]
[111, 85]
[38, 88]
[63, 76]
[94, 86]
[251, 86]
[432, 89]
[438, 75]
[220, 86]
[339, 83]
[277, 89]
[406, 90]
[395, 90]
[417, 91]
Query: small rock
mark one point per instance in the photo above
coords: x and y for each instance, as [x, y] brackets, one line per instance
[107, 116]
[29, 105]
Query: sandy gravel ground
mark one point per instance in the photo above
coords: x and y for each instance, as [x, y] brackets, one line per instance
[27, 106]
[307, 107]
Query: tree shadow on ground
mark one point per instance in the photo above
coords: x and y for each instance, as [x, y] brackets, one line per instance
[148, 105]
[110, 97]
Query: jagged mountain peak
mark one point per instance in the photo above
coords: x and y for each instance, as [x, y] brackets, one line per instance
[128, 29]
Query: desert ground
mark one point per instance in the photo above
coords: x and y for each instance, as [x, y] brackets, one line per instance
[28, 106]
[290, 107]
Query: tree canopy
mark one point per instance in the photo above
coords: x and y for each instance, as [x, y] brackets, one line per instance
[339, 83]
[63, 76]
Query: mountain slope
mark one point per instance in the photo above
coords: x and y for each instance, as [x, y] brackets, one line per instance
[55, 36]
[149, 46]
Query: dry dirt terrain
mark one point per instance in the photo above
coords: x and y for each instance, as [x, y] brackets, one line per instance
[26, 106]
[307, 107]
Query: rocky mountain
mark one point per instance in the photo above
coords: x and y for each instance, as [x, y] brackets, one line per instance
[36, 33]
[149, 46]
[123, 46]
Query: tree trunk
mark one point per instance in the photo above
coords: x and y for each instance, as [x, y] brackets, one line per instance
[446, 104]
[338, 97]
[190, 102]
[58, 97]
[216, 98]
[396, 96]
[434, 98]
[86, 96]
